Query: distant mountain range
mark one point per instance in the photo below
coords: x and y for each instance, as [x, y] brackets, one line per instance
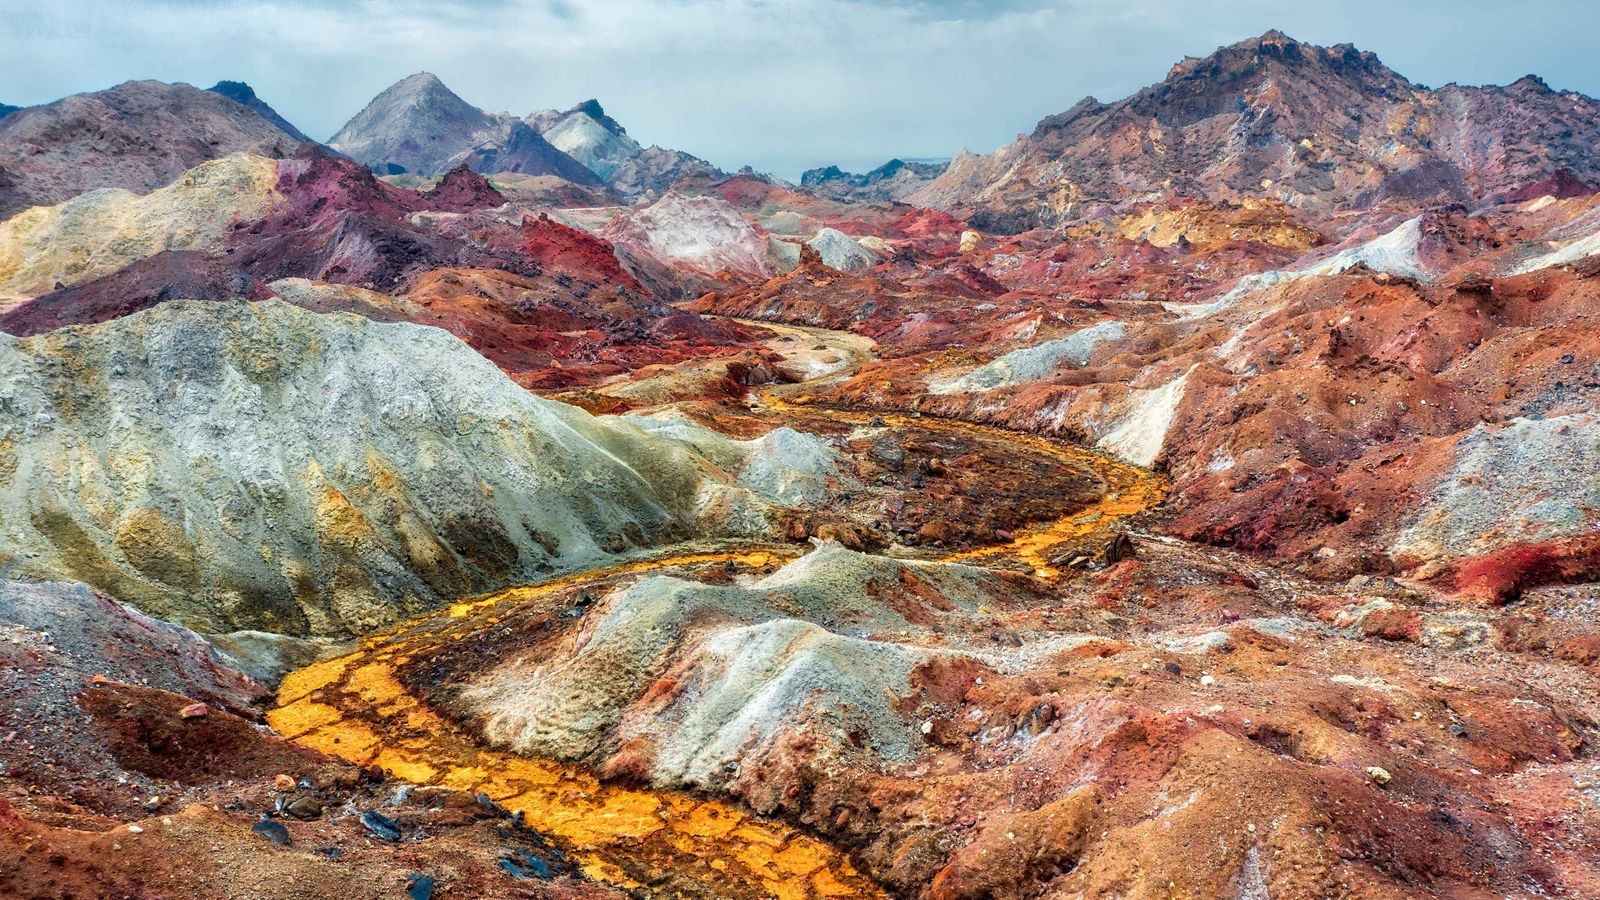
[419, 126]
[1327, 128]
[894, 180]
[1321, 127]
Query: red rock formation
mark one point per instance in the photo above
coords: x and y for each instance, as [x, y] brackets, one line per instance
[461, 190]
[559, 248]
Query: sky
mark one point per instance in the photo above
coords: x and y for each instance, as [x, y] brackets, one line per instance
[782, 85]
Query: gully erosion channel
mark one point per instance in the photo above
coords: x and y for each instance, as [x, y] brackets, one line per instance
[667, 843]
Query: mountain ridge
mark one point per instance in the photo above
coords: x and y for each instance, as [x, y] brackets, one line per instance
[1272, 117]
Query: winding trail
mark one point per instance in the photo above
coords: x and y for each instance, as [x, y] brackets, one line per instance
[667, 843]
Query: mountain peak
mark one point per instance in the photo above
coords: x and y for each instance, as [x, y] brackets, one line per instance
[421, 79]
[595, 111]
[237, 91]
[416, 123]
[423, 85]
[245, 95]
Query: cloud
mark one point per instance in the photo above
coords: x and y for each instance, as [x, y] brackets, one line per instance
[780, 84]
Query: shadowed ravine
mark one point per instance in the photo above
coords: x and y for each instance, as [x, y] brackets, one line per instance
[674, 844]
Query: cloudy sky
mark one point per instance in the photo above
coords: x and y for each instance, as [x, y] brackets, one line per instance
[780, 84]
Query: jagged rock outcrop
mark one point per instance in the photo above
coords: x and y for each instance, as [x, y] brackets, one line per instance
[588, 135]
[600, 142]
[137, 136]
[1322, 127]
[244, 94]
[657, 170]
[230, 466]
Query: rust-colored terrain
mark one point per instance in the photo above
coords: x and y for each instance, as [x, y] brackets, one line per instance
[1199, 497]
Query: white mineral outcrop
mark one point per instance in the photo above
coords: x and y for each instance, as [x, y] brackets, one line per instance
[231, 466]
[1034, 363]
[840, 251]
[703, 233]
[785, 655]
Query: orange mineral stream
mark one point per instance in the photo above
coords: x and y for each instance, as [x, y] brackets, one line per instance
[668, 843]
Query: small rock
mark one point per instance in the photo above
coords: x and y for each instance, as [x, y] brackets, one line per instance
[522, 864]
[1207, 680]
[381, 826]
[305, 808]
[1379, 774]
[1119, 549]
[152, 804]
[419, 886]
[489, 806]
[135, 829]
[283, 783]
[272, 831]
[194, 711]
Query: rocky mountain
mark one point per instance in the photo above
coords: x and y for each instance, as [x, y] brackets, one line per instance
[244, 94]
[1271, 117]
[7, 109]
[420, 126]
[588, 135]
[139, 136]
[894, 180]
[524, 151]
[600, 142]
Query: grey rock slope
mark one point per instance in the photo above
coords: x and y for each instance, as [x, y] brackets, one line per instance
[238, 466]
[595, 139]
[418, 125]
[139, 135]
[588, 135]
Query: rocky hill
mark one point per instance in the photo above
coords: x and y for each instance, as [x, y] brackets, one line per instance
[1271, 117]
[233, 466]
[137, 136]
[588, 135]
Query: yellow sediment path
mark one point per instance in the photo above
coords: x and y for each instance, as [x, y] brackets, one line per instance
[663, 842]
[1129, 488]
[355, 708]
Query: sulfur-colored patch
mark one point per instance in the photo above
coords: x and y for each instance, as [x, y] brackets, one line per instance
[103, 230]
[355, 708]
